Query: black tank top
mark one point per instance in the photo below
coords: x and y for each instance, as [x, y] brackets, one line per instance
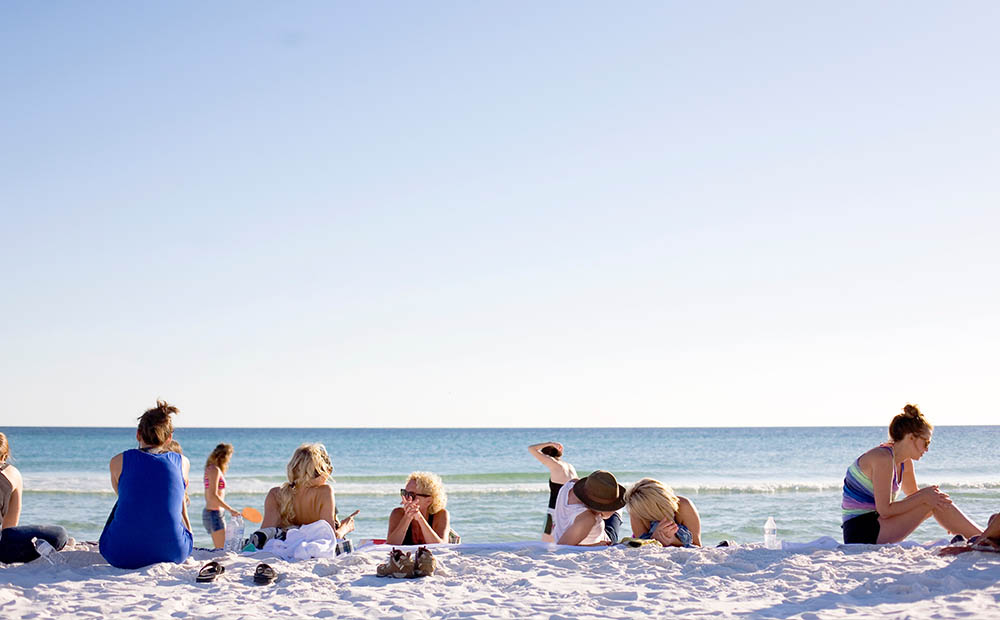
[553, 493]
[408, 539]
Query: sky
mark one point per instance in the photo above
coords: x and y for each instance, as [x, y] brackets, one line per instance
[552, 214]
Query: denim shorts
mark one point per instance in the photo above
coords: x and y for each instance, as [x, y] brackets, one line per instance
[212, 520]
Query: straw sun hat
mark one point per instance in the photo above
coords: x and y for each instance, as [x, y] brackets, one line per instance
[600, 491]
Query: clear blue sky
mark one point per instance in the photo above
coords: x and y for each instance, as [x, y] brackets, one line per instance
[499, 214]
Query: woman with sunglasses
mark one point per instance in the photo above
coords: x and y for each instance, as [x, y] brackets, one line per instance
[422, 519]
[306, 497]
[870, 511]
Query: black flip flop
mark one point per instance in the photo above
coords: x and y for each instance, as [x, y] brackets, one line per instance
[264, 574]
[210, 571]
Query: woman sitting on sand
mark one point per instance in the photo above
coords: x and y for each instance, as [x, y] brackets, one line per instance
[215, 492]
[422, 519]
[15, 541]
[149, 524]
[306, 497]
[583, 505]
[871, 513]
[655, 512]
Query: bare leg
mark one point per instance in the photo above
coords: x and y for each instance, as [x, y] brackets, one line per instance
[896, 528]
[954, 521]
[993, 528]
[219, 538]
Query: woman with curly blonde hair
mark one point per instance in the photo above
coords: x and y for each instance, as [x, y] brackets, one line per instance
[422, 519]
[655, 512]
[306, 497]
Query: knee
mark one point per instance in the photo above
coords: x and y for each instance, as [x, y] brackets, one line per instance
[59, 537]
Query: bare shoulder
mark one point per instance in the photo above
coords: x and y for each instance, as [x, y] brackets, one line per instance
[684, 503]
[12, 474]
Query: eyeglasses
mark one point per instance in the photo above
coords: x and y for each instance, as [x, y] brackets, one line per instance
[411, 495]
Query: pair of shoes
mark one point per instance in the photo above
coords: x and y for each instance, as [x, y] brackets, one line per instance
[401, 566]
[264, 574]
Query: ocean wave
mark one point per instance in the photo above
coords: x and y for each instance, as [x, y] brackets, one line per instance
[489, 485]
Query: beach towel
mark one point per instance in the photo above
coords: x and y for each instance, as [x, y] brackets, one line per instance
[315, 540]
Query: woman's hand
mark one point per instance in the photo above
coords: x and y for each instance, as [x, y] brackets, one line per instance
[934, 497]
[347, 525]
[666, 533]
[234, 512]
[411, 509]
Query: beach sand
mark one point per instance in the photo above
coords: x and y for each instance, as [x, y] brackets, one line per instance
[518, 580]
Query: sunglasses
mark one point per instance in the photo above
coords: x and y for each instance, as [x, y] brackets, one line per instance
[411, 495]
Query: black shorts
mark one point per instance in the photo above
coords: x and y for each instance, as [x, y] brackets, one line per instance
[862, 529]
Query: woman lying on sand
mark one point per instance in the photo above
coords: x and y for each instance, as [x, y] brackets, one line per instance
[423, 518]
[871, 513]
[215, 493]
[15, 541]
[305, 498]
[582, 507]
[149, 524]
[657, 513]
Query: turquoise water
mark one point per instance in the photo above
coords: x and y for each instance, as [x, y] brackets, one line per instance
[737, 477]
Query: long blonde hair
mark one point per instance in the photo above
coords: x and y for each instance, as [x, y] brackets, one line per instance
[430, 484]
[220, 456]
[651, 500]
[4, 448]
[309, 461]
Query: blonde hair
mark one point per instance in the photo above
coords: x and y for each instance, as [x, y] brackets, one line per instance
[220, 456]
[309, 461]
[651, 500]
[430, 484]
[4, 448]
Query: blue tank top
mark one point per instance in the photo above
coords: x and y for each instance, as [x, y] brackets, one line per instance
[145, 526]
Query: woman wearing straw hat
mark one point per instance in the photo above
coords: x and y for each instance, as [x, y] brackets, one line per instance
[583, 505]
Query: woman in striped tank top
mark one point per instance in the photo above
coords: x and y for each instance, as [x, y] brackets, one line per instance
[871, 512]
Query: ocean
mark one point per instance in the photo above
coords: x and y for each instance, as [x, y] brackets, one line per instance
[736, 477]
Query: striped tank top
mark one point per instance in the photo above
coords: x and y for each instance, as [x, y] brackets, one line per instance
[859, 492]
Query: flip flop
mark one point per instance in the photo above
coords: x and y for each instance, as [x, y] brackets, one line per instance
[210, 571]
[264, 574]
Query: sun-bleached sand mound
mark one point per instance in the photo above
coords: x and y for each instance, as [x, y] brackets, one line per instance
[524, 580]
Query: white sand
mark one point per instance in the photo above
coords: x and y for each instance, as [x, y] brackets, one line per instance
[525, 580]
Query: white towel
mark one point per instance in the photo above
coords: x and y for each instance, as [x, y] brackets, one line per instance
[315, 540]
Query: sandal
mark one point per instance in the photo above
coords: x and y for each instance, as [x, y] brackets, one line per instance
[264, 574]
[210, 571]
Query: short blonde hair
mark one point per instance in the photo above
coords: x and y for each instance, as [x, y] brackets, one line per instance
[431, 485]
[651, 500]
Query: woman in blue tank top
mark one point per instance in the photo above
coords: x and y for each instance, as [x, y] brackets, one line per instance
[149, 524]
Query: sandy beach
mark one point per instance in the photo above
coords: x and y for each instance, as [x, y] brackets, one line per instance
[516, 580]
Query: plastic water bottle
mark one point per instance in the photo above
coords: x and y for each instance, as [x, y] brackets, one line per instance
[234, 534]
[47, 551]
[771, 534]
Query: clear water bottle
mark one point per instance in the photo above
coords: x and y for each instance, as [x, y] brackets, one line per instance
[47, 551]
[234, 534]
[771, 534]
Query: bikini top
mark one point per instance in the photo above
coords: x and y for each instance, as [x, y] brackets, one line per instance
[222, 481]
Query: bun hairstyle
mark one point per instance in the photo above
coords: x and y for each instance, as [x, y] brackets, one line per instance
[220, 456]
[4, 448]
[552, 451]
[911, 421]
[155, 425]
[308, 461]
